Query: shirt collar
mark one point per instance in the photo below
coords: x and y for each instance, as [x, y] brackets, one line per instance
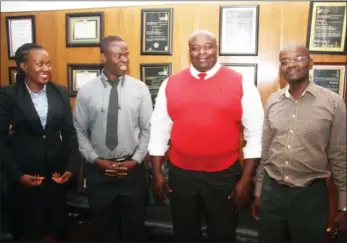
[209, 73]
[104, 79]
[311, 88]
[43, 90]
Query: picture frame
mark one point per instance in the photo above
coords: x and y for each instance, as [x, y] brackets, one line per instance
[153, 74]
[238, 30]
[248, 70]
[12, 72]
[331, 76]
[156, 31]
[19, 30]
[326, 32]
[80, 74]
[84, 29]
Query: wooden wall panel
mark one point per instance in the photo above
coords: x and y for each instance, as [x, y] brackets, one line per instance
[44, 36]
[279, 24]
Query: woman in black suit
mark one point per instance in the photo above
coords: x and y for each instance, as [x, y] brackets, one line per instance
[39, 150]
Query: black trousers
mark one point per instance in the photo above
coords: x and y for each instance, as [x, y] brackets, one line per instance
[293, 214]
[196, 193]
[122, 218]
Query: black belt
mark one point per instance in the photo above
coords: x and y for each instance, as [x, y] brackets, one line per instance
[128, 157]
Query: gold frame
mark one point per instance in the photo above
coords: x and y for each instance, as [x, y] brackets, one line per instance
[314, 7]
[342, 67]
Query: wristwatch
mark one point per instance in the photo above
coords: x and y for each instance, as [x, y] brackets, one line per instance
[344, 209]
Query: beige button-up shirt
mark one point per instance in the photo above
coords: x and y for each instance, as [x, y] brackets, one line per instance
[304, 139]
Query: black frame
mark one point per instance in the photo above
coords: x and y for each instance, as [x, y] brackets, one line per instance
[68, 16]
[309, 33]
[255, 65]
[170, 12]
[144, 65]
[163, 64]
[10, 70]
[256, 6]
[344, 91]
[71, 67]
[33, 30]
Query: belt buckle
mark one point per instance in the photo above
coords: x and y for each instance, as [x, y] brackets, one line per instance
[120, 160]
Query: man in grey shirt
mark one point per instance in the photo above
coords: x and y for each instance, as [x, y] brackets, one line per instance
[111, 116]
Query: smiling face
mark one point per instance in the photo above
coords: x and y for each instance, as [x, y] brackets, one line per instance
[37, 67]
[203, 52]
[116, 58]
[295, 63]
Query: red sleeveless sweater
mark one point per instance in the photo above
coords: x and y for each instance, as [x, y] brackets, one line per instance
[206, 117]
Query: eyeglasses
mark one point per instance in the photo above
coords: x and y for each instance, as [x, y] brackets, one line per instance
[286, 62]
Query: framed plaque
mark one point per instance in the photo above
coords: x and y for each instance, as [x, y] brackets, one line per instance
[156, 31]
[327, 27]
[248, 71]
[84, 29]
[80, 74]
[238, 30]
[12, 73]
[153, 75]
[19, 30]
[331, 76]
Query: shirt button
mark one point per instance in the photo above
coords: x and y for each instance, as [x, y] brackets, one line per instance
[288, 146]
[286, 162]
[286, 177]
[296, 102]
[44, 136]
[291, 131]
[293, 116]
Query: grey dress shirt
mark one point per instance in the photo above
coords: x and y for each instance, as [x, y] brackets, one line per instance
[90, 119]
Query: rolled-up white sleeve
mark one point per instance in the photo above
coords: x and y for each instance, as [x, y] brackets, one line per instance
[161, 125]
[252, 120]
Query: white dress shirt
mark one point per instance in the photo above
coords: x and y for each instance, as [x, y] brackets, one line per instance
[40, 103]
[252, 118]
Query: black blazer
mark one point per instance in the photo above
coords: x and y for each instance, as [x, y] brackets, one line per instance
[28, 148]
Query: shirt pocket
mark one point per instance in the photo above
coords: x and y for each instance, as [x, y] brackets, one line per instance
[95, 106]
[314, 130]
[132, 103]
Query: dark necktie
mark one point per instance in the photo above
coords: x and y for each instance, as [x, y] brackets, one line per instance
[112, 117]
[202, 75]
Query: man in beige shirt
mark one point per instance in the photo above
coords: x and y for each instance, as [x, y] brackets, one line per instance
[304, 141]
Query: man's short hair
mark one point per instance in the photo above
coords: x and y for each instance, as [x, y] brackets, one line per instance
[107, 40]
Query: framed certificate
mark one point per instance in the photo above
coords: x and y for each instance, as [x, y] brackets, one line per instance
[19, 30]
[156, 31]
[331, 76]
[327, 27]
[247, 70]
[12, 73]
[84, 29]
[81, 74]
[238, 30]
[153, 75]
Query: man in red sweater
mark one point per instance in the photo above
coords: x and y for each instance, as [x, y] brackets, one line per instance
[200, 110]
